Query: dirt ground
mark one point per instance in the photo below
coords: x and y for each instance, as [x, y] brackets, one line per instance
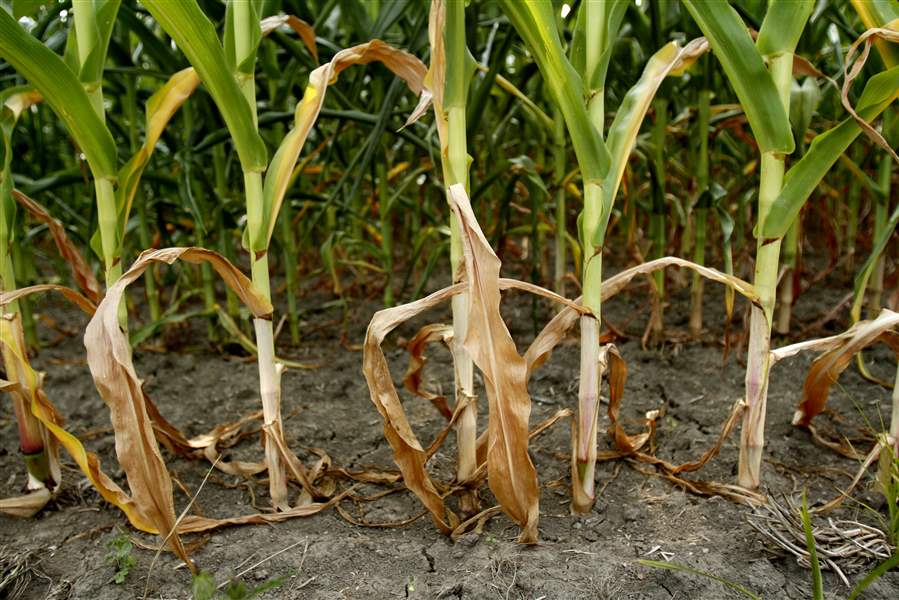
[589, 556]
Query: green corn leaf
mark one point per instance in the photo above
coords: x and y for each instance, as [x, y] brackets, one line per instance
[248, 65]
[612, 14]
[860, 283]
[629, 117]
[802, 179]
[804, 100]
[784, 22]
[196, 37]
[47, 72]
[535, 23]
[105, 17]
[746, 72]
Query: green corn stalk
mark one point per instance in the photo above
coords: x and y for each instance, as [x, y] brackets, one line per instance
[804, 101]
[93, 28]
[228, 74]
[602, 165]
[67, 94]
[764, 94]
[700, 213]
[455, 170]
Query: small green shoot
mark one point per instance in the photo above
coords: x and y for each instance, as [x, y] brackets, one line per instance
[817, 581]
[203, 587]
[120, 556]
[658, 564]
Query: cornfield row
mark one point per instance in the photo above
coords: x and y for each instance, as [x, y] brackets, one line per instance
[368, 148]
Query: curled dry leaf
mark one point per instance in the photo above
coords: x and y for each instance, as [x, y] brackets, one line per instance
[411, 456]
[408, 452]
[510, 473]
[85, 304]
[852, 69]
[278, 176]
[300, 27]
[554, 331]
[81, 271]
[25, 506]
[414, 377]
[31, 384]
[838, 352]
[110, 362]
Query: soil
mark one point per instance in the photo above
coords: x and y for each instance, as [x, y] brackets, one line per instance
[588, 556]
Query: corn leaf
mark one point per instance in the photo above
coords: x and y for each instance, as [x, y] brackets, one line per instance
[413, 380]
[195, 35]
[803, 177]
[109, 359]
[629, 117]
[74, 296]
[535, 23]
[510, 472]
[47, 72]
[408, 452]
[159, 110]
[881, 13]
[838, 352]
[27, 505]
[860, 283]
[105, 12]
[248, 64]
[300, 27]
[81, 271]
[278, 175]
[746, 72]
[611, 14]
[784, 22]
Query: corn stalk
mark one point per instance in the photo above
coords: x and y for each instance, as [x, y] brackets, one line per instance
[764, 93]
[43, 473]
[602, 166]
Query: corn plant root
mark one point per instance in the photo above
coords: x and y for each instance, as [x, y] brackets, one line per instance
[693, 390]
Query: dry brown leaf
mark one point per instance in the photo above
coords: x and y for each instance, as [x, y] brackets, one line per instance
[25, 506]
[279, 174]
[554, 331]
[413, 380]
[510, 473]
[408, 452]
[300, 27]
[839, 350]
[109, 358]
[852, 69]
[75, 297]
[81, 271]
[432, 84]
[43, 410]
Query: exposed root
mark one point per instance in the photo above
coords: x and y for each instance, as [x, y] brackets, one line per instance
[842, 545]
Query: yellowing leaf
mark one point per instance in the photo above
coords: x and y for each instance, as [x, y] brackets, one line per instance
[278, 175]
